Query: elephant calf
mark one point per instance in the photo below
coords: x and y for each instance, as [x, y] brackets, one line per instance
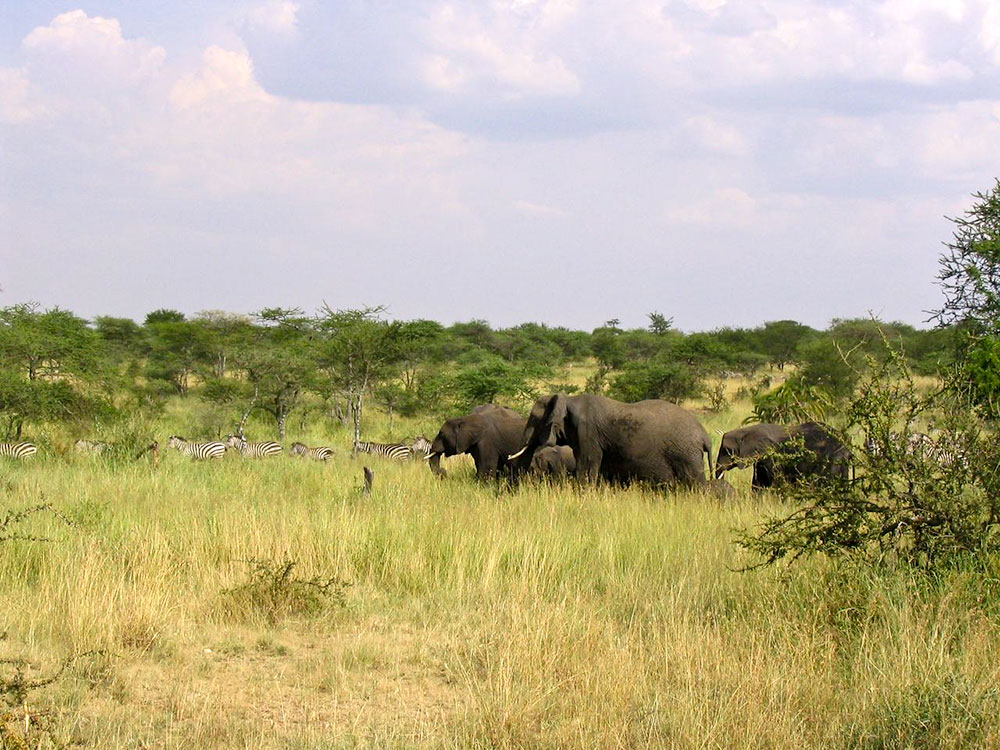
[554, 461]
[809, 450]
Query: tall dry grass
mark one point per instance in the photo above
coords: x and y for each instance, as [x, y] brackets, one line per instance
[464, 615]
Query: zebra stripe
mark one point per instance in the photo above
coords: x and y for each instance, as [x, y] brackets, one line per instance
[392, 451]
[18, 450]
[92, 447]
[254, 450]
[320, 453]
[421, 447]
[200, 451]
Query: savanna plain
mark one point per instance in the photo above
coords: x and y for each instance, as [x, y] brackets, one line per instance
[273, 604]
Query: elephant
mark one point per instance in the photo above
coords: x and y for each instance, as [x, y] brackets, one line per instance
[554, 461]
[762, 445]
[652, 440]
[489, 434]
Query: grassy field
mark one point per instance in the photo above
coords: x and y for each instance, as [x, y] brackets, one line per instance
[271, 604]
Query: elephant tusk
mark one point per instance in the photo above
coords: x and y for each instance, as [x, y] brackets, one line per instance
[429, 456]
[512, 456]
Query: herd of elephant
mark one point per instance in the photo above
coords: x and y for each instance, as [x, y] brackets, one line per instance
[594, 437]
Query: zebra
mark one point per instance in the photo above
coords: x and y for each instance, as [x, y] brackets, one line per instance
[420, 447]
[320, 453]
[254, 450]
[392, 451]
[212, 449]
[18, 450]
[93, 447]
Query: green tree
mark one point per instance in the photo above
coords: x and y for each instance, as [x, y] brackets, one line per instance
[969, 277]
[670, 381]
[279, 363]
[779, 340]
[659, 323]
[54, 367]
[358, 351]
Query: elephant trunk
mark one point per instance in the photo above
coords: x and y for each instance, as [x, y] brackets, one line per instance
[434, 461]
[723, 464]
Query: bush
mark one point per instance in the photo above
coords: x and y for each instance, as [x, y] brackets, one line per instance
[273, 593]
[670, 381]
[793, 401]
[925, 506]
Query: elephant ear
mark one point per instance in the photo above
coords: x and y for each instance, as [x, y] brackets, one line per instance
[466, 434]
[558, 409]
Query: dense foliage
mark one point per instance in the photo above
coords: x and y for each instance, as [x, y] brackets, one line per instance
[55, 366]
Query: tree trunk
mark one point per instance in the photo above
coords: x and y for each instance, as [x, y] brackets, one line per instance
[356, 408]
[246, 414]
[282, 418]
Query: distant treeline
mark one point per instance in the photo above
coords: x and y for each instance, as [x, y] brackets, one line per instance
[56, 366]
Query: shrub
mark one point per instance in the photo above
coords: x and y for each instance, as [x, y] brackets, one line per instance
[924, 507]
[273, 593]
[670, 381]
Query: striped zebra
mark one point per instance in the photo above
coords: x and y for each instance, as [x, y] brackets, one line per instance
[213, 449]
[18, 450]
[421, 447]
[392, 451]
[254, 450]
[320, 453]
[92, 447]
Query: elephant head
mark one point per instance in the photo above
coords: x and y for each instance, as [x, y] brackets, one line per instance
[740, 448]
[488, 434]
[547, 423]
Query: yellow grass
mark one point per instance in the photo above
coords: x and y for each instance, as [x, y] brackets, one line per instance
[545, 616]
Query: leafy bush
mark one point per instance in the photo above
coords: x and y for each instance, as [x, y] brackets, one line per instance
[924, 507]
[670, 381]
[793, 401]
[273, 593]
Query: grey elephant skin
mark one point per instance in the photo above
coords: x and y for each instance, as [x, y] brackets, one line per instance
[489, 434]
[554, 462]
[763, 445]
[652, 441]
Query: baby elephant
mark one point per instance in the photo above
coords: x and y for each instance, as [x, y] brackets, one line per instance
[783, 454]
[554, 461]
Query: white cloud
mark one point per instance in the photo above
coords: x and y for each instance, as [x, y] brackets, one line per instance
[225, 76]
[277, 16]
[76, 49]
[16, 105]
[715, 137]
[504, 51]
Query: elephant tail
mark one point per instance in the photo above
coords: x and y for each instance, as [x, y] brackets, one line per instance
[707, 447]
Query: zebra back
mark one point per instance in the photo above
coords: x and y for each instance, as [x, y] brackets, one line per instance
[320, 453]
[18, 450]
[254, 450]
[200, 451]
[392, 451]
[420, 447]
[92, 447]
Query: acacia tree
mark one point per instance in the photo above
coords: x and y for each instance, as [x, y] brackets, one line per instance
[279, 365]
[358, 350]
[51, 365]
[970, 280]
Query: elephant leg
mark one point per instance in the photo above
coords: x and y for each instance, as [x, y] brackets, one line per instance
[487, 464]
[588, 464]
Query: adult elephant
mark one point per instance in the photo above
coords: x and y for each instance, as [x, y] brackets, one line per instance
[783, 454]
[489, 434]
[653, 440]
[553, 461]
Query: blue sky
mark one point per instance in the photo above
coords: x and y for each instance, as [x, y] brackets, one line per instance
[724, 163]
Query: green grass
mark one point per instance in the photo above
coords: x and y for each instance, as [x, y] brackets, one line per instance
[545, 616]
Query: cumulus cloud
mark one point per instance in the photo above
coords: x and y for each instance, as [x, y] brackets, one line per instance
[501, 49]
[76, 49]
[276, 16]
